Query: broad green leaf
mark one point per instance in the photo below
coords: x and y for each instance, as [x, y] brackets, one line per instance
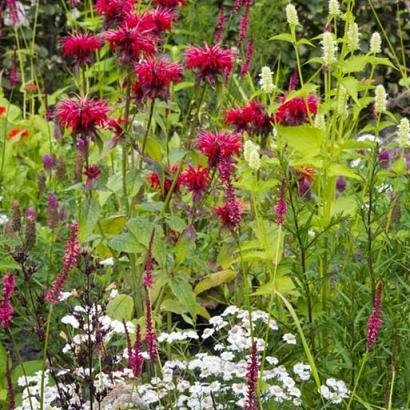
[283, 284]
[3, 358]
[339, 170]
[343, 205]
[214, 279]
[88, 220]
[112, 225]
[28, 368]
[303, 139]
[176, 223]
[184, 293]
[121, 308]
[126, 242]
[183, 247]
[282, 37]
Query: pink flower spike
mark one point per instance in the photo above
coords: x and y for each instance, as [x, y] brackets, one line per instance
[375, 319]
[70, 259]
[251, 402]
[148, 276]
[6, 308]
[150, 336]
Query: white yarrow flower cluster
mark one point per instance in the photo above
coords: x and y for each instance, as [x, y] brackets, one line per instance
[380, 99]
[329, 48]
[353, 35]
[266, 80]
[404, 133]
[292, 15]
[302, 370]
[251, 155]
[289, 338]
[334, 7]
[375, 43]
[177, 336]
[334, 391]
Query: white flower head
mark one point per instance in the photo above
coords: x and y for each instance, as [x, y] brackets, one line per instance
[289, 338]
[353, 35]
[329, 48]
[107, 262]
[404, 133]
[334, 391]
[292, 15]
[266, 80]
[380, 99]
[334, 7]
[375, 43]
[248, 147]
[254, 160]
[302, 370]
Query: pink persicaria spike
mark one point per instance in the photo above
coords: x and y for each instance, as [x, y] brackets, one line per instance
[150, 336]
[137, 357]
[281, 208]
[220, 25]
[375, 319]
[70, 259]
[246, 66]
[148, 275]
[244, 24]
[251, 402]
[6, 308]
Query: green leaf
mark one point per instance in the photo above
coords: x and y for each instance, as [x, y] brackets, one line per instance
[3, 358]
[28, 368]
[121, 308]
[112, 225]
[184, 293]
[183, 247]
[282, 37]
[126, 242]
[357, 64]
[88, 220]
[343, 205]
[215, 279]
[305, 140]
[339, 170]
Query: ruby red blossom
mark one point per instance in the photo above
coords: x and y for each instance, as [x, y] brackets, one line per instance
[114, 11]
[92, 173]
[83, 115]
[210, 62]
[81, 46]
[296, 110]
[251, 402]
[154, 78]
[169, 3]
[219, 147]
[251, 118]
[150, 336]
[70, 259]
[196, 180]
[375, 319]
[157, 20]
[132, 41]
[6, 308]
[164, 183]
[230, 214]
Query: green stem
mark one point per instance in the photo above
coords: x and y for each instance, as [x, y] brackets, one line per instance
[144, 143]
[364, 360]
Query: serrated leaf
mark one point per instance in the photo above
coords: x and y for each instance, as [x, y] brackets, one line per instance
[214, 279]
[121, 308]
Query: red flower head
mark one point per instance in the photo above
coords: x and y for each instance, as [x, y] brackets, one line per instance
[82, 115]
[154, 78]
[157, 21]
[15, 132]
[219, 147]
[230, 214]
[81, 46]
[196, 180]
[210, 62]
[2, 110]
[251, 118]
[114, 11]
[132, 40]
[156, 181]
[6, 308]
[92, 173]
[296, 110]
[169, 3]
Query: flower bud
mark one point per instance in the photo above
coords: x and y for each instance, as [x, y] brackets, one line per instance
[329, 48]
[15, 216]
[52, 211]
[320, 122]
[375, 43]
[48, 162]
[341, 101]
[353, 35]
[60, 169]
[292, 15]
[266, 81]
[254, 160]
[334, 7]
[41, 182]
[341, 184]
[30, 230]
[404, 133]
[380, 99]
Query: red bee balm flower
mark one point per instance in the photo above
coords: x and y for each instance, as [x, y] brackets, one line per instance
[157, 21]
[132, 40]
[114, 11]
[169, 3]
[251, 118]
[81, 46]
[196, 180]
[155, 77]
[296, 110]
[82, 115]
[210, 62]
[92, 173]
[15, 132]
[219, 147]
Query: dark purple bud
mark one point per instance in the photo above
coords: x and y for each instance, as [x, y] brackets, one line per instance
[341, 184]
[384, 156]
[304, 188]
[48, 162]
[52, 211]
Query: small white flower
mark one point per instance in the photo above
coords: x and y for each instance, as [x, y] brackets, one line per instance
[380, 99]
[329, 48]
[292, 15]
[334, 7]
[334, 391]
[266, 80]
[404, 133]
[107, 262]
[254, 160]
[289, 338]
[302, 370]
[71, 320]
[375, 43]
[208, 332]
[353, 35]
[3, 219]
